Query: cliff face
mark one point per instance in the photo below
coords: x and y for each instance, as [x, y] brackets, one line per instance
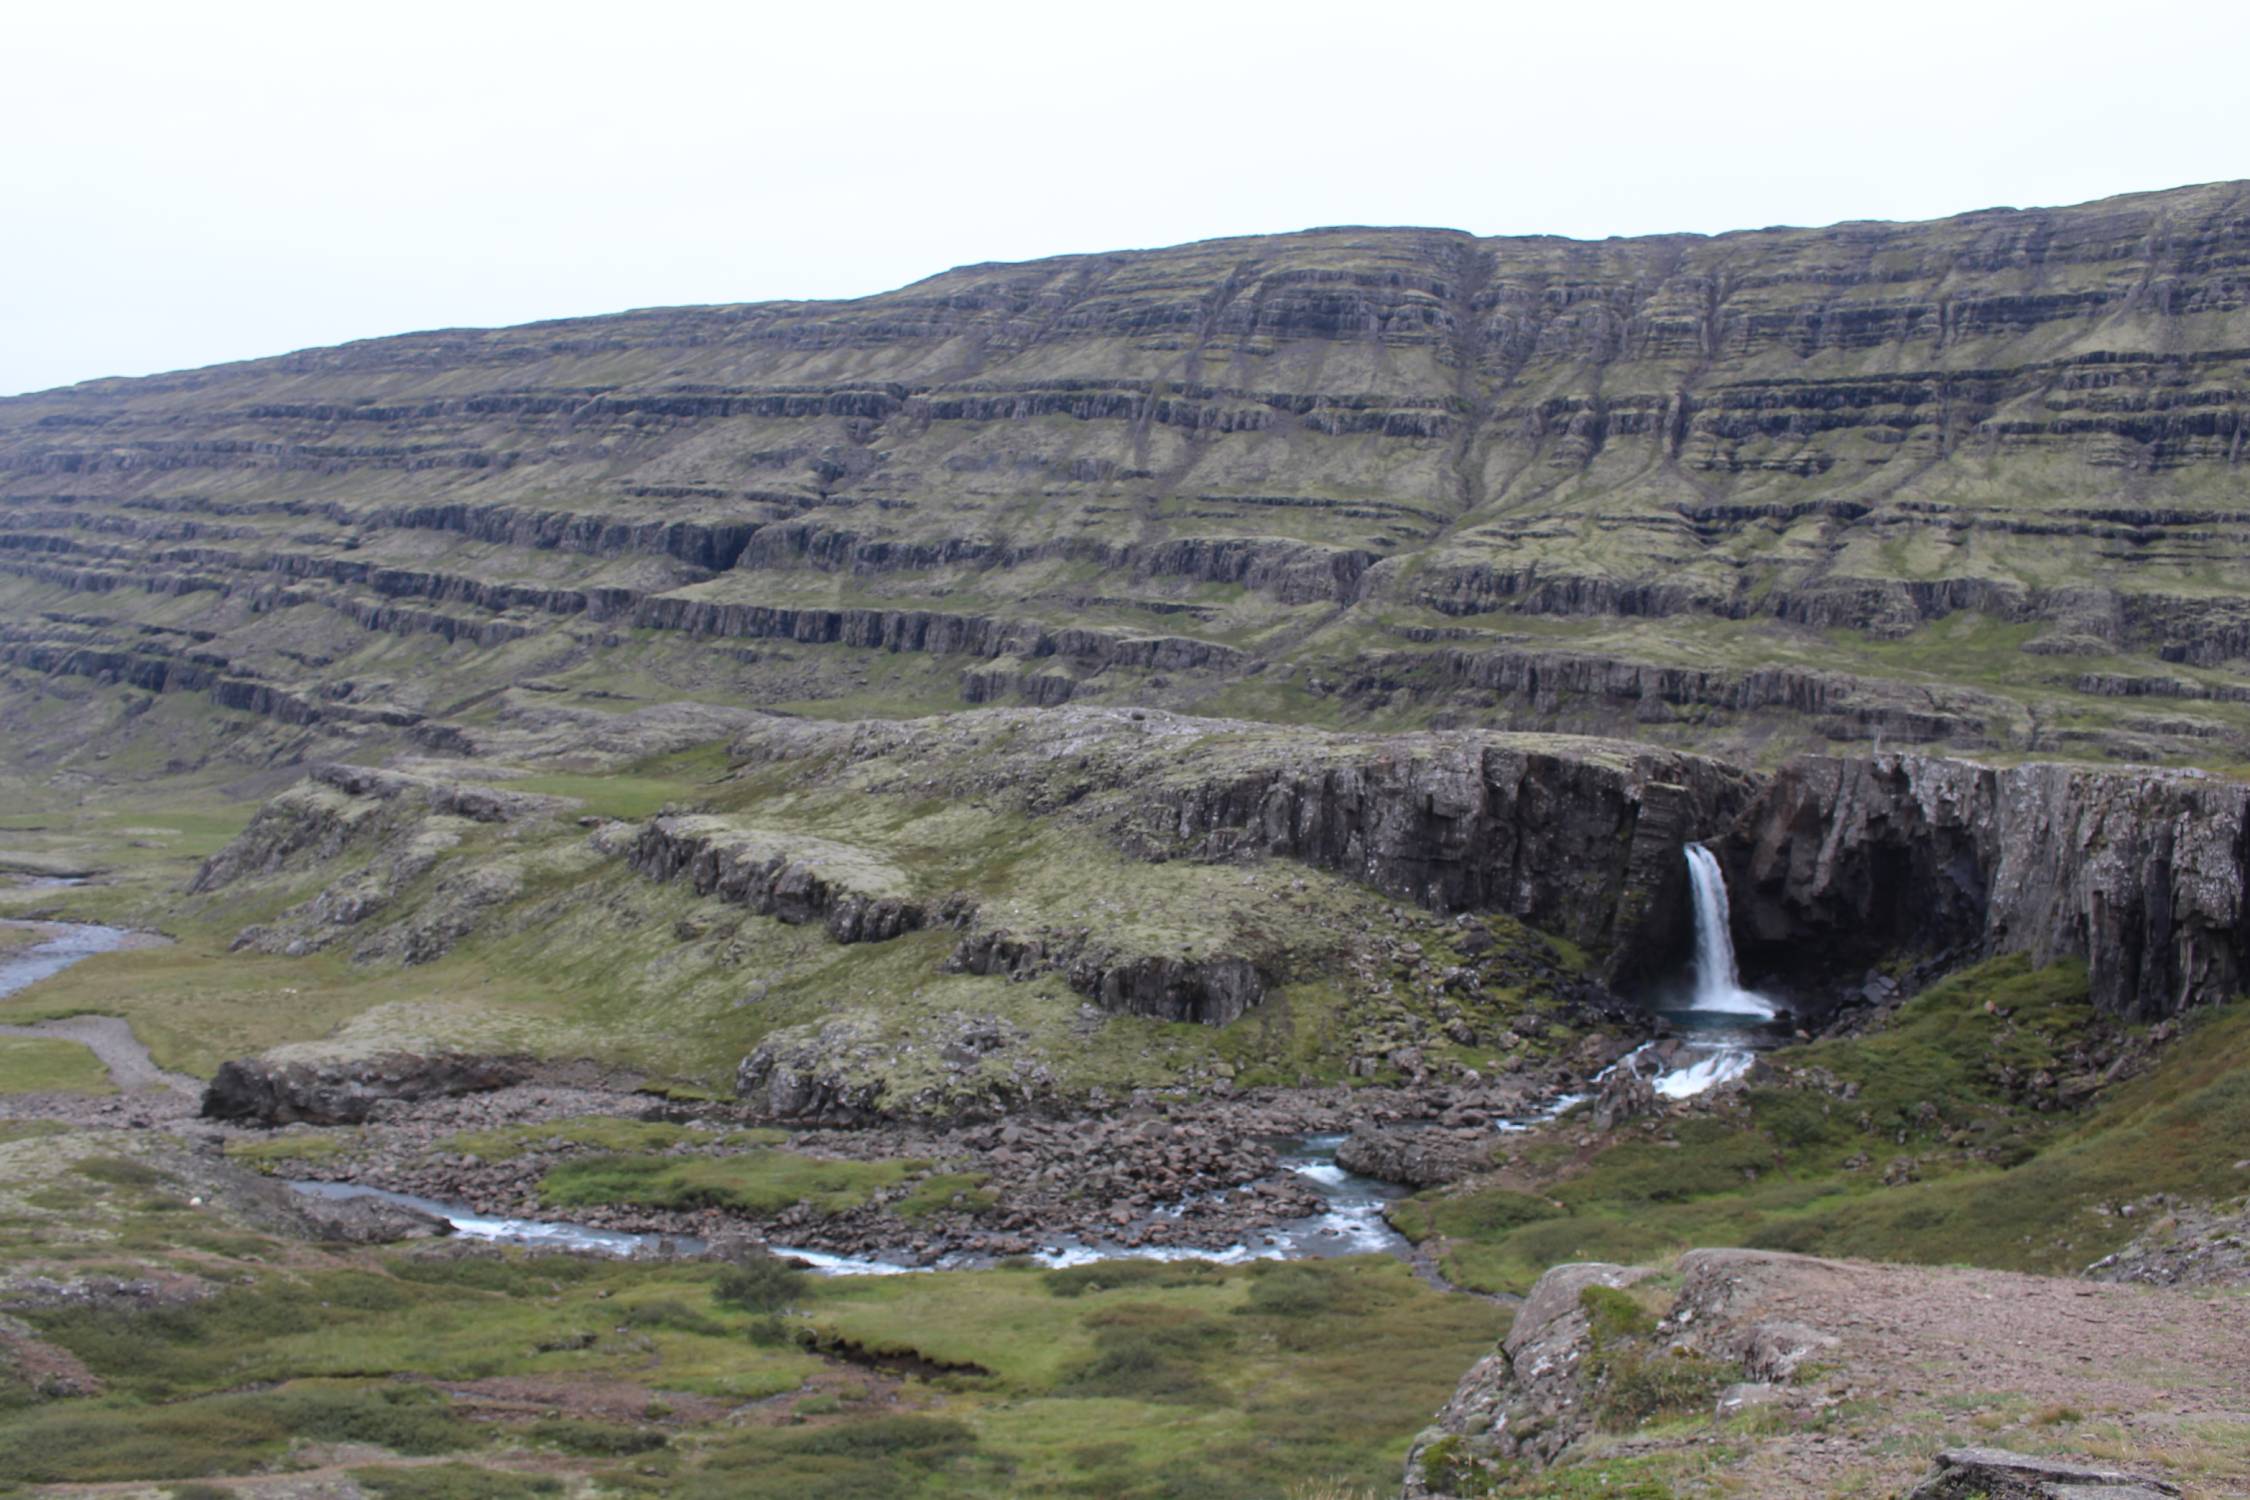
[1579, 837]
[1345, 474]
[1579, 840]
[2140, 873]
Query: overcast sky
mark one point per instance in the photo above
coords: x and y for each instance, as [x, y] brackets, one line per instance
[185, 184]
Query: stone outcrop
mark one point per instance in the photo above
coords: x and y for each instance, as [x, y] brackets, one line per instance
[2138, 872]
[812, 1075]
[1577, 836]
[797, 879]
[337, 806]
[1798, 1336]
[348, 1092]
[1211, 989]
[1527, 1401]
[1421, 1158]
[398, 826]
[1997, 1474]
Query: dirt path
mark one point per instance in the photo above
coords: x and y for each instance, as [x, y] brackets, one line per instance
[112, 1041]
[2034, 1363]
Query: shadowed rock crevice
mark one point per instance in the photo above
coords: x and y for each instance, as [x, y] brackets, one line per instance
[1842, 864]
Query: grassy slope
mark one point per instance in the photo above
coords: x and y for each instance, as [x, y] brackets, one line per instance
[2003, 1175]
[591, 960]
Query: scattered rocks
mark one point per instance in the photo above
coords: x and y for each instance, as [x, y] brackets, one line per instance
[370, 1220]
[1627, 1094]
[1419, 1158]
[2184, 1245]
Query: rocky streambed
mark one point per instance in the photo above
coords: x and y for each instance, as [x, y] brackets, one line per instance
[1244, 1178]
[1269, 1174]
[1280, 1174]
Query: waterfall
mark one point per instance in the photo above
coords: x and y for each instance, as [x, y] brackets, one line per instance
[1718, 987]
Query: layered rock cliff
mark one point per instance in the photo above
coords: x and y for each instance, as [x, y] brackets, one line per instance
[2138, 872]
[1579, 837]
[1968, 482]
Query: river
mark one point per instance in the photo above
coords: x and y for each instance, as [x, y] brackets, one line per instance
[1351, 1224]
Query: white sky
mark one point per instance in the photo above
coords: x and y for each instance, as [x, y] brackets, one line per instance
[182, 184]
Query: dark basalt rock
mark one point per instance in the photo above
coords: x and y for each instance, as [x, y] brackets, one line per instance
[348, 1093]
[2140, 873]
[1574, 840]
[749, 869]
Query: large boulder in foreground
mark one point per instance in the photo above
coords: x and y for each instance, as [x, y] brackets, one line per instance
[1837, 1358]
[1527, 1401]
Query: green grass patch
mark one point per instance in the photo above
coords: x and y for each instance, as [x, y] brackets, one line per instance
[454, 1482]
[947, 1192]
[112, 1441]
[1964, 1088]
[50, 1065]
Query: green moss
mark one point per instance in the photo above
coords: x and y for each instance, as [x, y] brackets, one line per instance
[595, 1439]
[1613, 1315]
[947, 1192]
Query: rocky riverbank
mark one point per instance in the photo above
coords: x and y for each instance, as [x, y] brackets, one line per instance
[1157, 1174]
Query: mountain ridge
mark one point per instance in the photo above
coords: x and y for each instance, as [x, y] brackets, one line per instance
[1970, 483]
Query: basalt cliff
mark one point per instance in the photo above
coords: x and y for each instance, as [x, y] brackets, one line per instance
[1970, 484]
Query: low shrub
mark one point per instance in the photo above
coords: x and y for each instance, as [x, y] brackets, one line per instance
[759, 1282]
[454, 1482]
[596, 1439]
[879, 1459]
[1150, 1352]
[220, 1434]
[1127, 1275]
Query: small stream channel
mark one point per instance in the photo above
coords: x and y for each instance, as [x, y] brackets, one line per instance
[1353, 1224]
[77, 940]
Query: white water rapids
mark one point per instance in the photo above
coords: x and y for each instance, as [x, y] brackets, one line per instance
[1352, 1225]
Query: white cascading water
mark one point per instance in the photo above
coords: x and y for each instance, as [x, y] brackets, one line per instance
[1718, 985]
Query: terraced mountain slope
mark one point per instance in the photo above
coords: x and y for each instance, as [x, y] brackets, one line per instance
[1975, 482]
